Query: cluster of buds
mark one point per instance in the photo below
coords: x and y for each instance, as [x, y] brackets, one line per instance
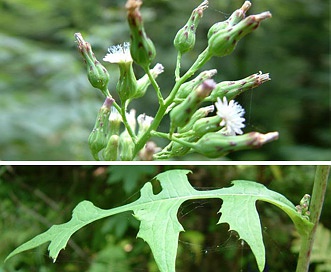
[224, 36]
[303, 207]
[108, 142]
[198, 130]
[212, 130]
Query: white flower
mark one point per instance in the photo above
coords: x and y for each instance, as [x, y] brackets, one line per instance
[231, 114]
[131, 118]
[114, 115]
[119, 53]
[158, 69]
[144, 122]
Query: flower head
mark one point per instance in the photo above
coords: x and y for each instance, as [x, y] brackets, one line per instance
[119, 53]
[231, 114]
[115, 115]
[144, 122]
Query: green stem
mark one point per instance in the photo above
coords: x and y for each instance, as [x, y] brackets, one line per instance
[126, 123]
[156, 87]
[200, 61]
[177, 71]
[316, 205]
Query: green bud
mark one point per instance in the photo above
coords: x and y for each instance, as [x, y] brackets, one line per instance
[181, 114]
[214, 145]
[185, 37]
[175, 149]
[142, 48]
[126, 146]
[231, 89]
[207, 124]
[96, 72]
[235, 17]
[144, 82]
[111, 150]
[178, 150]
[115, 120]
[200, 113]
[223, 42]
[98, 137]
[127, 84]
[186, 88]
[304, 206]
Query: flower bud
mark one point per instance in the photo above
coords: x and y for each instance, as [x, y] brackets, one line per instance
[96, 72]
[111, 150]
[304, 206]
[178, 150]
[215, 145]
[142, 48]
[235, 17]
[185, 37]
[126, 146]
[144, 82]
[115, 120]
[181, 114]
[186, 88]
[98, 138]
[231, 89]
[127, 84]
[223, 42]
[175, 149]
[200, 113]
[207, 124]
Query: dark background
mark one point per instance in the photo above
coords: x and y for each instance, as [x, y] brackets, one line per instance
[47, 107]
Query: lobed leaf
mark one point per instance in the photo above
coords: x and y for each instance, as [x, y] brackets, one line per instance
[160, 227]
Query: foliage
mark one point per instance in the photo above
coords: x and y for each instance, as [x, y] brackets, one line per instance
[35, 197]
[47, 107]
[159, 225]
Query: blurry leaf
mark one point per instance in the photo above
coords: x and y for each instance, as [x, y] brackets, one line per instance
[129, 175]
[112, 258]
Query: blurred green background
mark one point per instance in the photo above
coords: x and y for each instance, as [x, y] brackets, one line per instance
[35, 197]
[47, 107]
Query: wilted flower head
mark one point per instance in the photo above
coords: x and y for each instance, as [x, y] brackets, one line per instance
[231, 114]
[119, 53]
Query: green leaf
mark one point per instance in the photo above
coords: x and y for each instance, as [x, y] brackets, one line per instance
[159, 225]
